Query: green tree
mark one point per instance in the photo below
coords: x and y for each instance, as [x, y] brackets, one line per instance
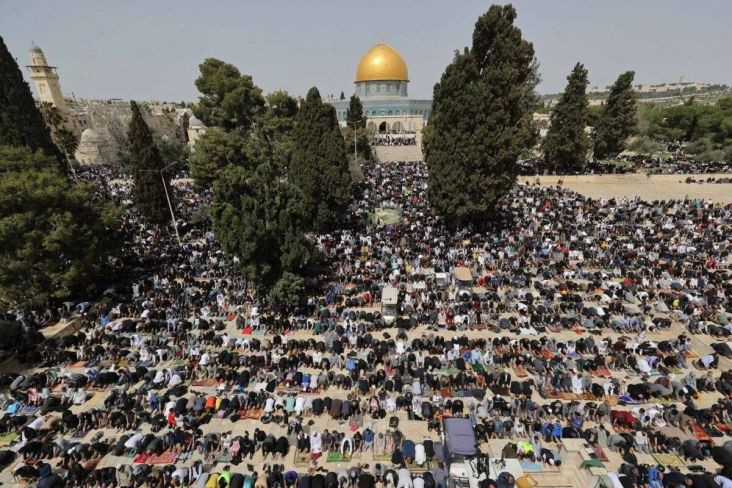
[214, 151]
[286, 292]
[56, 238]
[354, 113]
[52, 116]
[566, 143]
[362, 140]
[260, 219]
[319, 163]
[481, 120]
[172, 150]
[66, 141]
[617, 121]
[272, 138]
[149, 194]
[229, 99]
[21, 124]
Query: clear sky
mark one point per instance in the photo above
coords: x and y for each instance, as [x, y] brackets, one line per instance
[150, 49]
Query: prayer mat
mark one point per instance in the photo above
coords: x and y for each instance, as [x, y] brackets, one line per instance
[223, 458]
[446, 393]
[477, 367]
[529, 466]
[415, 468]
[30, 409]
[337, 457]
[701, 434]
[602, 373]
[9, 438]
[167, 457]
[691, 354]
[592, 463]
[547, 355]
[231, 317]
[253, 413]
[140, 458]
[77, 364]
[600, 454]
[206, 382]
[382, 457]
[520, 371]
[78, 435]
[670, 460]
[301, 459]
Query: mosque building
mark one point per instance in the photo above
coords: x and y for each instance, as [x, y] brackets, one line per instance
[381, 84]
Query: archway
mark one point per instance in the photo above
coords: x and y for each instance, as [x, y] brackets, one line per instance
[383, 128]
[397, 127]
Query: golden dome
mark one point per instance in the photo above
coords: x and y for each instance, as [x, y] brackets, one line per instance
[382, 62]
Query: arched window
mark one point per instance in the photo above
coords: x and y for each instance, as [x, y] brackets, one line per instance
[383, 128]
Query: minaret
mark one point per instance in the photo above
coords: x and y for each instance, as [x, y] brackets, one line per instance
[46, 79]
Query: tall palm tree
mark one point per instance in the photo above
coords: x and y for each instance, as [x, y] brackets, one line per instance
[51, 114]
[66, 140]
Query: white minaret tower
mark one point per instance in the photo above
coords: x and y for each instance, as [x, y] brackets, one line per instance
[46, 79]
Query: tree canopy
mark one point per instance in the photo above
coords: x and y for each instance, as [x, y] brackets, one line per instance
[244, 128]
[481, 120]
[55, 236]
[617, 120]
[566, 143]
[214, 151]
[354, 113]
[319, 164]
[146, 163]
[706, 129]
[229, 99]
[260, 219]
[21, 124]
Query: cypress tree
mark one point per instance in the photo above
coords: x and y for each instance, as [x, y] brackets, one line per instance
[566, 143]
[354, 113]
[319, 163]
[21, 123]
[617, 121]
[146, 163]
[481, 120]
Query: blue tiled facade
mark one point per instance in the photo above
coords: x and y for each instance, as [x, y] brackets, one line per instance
[385, 98]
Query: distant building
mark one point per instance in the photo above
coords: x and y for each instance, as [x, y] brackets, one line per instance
[381, 84]
[195, 130]
[45, 78]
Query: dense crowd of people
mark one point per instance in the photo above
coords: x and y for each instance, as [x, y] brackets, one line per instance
[631, 164]
[393, 140]
[580, 319]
